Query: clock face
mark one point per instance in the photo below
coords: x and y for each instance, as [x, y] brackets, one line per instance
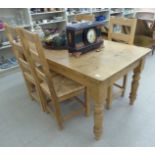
[91, 36]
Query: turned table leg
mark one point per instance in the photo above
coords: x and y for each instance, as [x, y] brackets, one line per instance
[99, 95]
[135, 82]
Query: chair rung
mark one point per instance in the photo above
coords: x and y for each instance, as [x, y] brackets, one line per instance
[79, 100]
[35, 96]
[50, 111]
[71, 114]
[117, 85]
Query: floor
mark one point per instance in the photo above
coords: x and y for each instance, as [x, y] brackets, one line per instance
[23, 124]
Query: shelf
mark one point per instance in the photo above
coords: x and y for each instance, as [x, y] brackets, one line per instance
[4, 47]
[106, 10]
[9, 69]
[24, 25]
[105, 21]
[43, 13]
[128, 13]
[147, 19]
[1, 30]
[78, 14]
[117, 12]
[58, 21]
[151, 12]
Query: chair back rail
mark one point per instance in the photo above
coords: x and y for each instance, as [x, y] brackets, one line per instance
[84, 17]
[128, 29]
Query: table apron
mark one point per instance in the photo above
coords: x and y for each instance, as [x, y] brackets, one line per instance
[110, 81]
[89, 82]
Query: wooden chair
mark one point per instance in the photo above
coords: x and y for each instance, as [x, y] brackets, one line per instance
[23, 60]
[85, 17]
[144, 34]
[55, 87]
[126, 35]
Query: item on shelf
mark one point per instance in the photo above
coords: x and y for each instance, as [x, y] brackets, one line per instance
[37, 22]
[5, 43]
[58, 18]
[1, 42]
[58, 9]
[7, 63]
[117, 28]
[11, 20]
[39, 31]
[45, 20]
[74, 11]
[51, 31]
[45, 9]
[36, 10]
[99, 9]
[84, 37]
[100, 18]
[13, 61]
[20, 18]
[51, 9]
[116, 11]
[33, 10]
[40, 10]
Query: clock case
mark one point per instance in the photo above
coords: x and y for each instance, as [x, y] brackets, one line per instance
[77, 36]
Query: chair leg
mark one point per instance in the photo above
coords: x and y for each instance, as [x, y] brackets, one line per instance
[124, 85]
[87, 102]
[58, 115]
[42, 99]
[109, 98]
[29, 88]
[153, 51]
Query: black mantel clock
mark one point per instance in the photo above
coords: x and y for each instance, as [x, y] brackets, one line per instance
[84, 37]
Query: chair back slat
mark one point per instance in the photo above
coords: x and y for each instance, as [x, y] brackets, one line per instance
[36, 53]
[40, 74]
[127, 31]
[24, 64]
[35, 56]
[85, 17]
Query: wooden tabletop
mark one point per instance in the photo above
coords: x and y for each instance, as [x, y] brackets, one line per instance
[99, 66]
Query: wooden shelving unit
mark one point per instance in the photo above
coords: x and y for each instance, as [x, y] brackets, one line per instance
[53, 22]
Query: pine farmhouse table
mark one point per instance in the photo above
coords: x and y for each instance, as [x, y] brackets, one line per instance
[99, 70]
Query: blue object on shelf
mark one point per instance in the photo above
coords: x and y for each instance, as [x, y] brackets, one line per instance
[7, 63]
[13, 61]
[100, 18]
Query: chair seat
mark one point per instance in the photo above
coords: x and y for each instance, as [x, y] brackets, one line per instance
[64, 87]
